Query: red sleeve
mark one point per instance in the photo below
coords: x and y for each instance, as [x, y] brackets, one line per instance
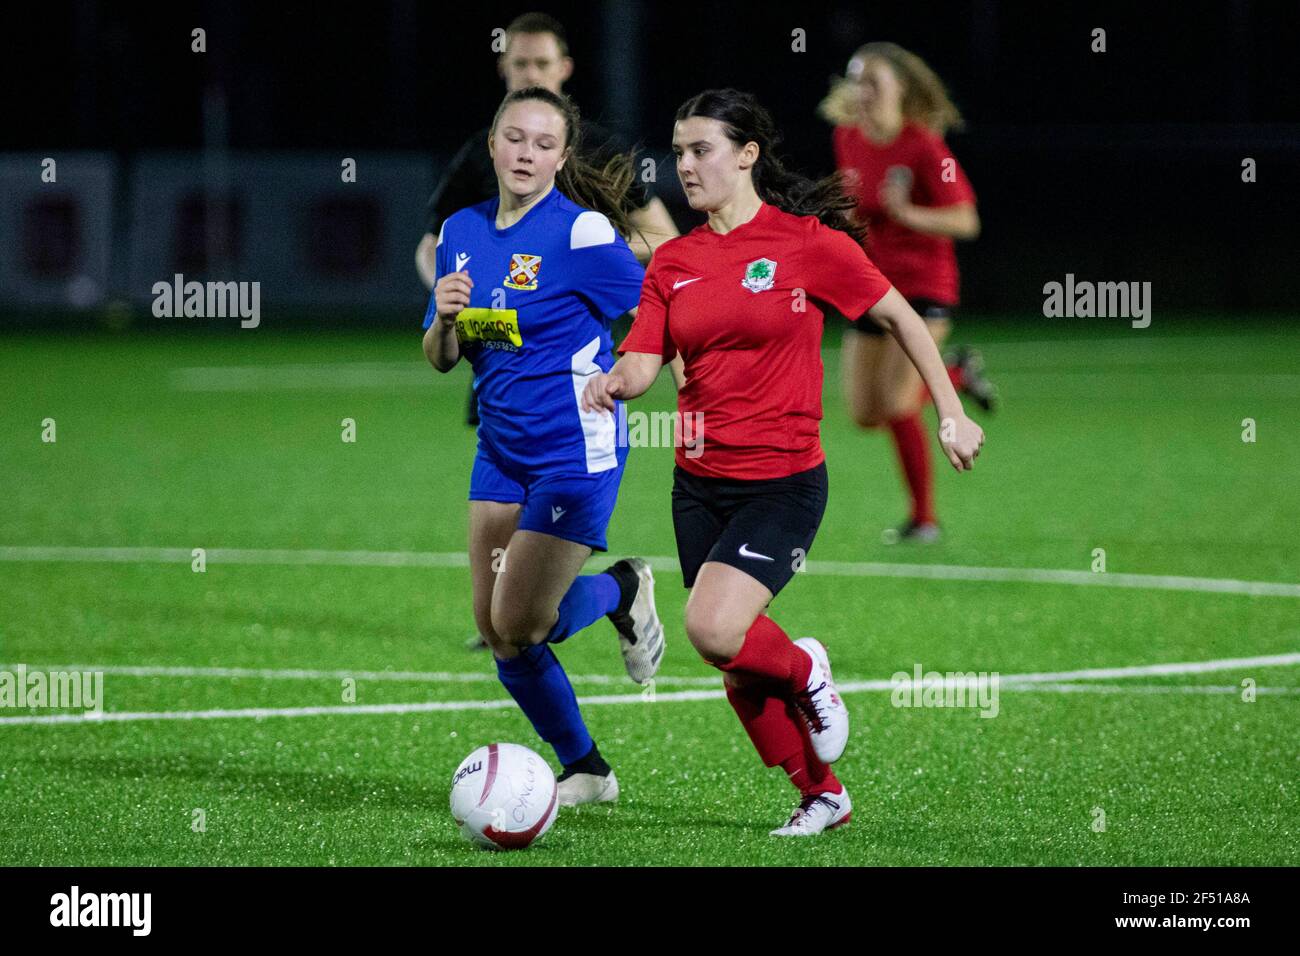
[841, 273]
[650, 327]
[940, 177]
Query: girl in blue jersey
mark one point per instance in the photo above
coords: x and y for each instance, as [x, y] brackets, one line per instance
[528, 285]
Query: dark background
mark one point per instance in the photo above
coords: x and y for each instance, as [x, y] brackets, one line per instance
[1118, 166]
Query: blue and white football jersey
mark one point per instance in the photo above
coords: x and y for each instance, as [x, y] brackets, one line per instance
[546, 290]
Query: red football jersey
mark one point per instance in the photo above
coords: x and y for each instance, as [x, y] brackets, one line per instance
[743, 310]
[919, 266]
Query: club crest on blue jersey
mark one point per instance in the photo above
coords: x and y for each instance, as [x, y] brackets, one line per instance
[759, 275]
[523, 272]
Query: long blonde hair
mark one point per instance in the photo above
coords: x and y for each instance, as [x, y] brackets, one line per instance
[925, 98]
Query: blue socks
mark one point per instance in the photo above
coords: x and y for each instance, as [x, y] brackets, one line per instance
[537, 682]
[536, 679]
[589, 598]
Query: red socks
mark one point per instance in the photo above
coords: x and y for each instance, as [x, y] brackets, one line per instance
[770, 667]
[809, 775]
[779, 738]
[955, 375]
[763, 715]
[914, 457]
[768, 652]
[914, 453]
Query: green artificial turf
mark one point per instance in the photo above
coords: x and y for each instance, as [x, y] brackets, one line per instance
[1113, 438]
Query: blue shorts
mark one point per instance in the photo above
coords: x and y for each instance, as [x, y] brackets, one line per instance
[573, 506]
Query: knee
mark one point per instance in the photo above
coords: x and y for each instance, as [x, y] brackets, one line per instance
[867, 417]
[866, 412]
[899, 406]
[715, 640]
[740, 681]
[519, 627]
[483, 621]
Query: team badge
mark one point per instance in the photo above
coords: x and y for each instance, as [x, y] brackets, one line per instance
[759, 275]
[523, 272]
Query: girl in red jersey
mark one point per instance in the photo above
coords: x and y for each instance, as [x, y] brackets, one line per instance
[741, 299]
[890, 113]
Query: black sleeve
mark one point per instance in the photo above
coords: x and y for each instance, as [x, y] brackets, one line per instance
[462, 183]
[600, 145]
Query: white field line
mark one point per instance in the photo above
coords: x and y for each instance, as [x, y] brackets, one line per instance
[401, 677]
[259, 713]
[339, 709]
[953, 572]
[1057, 678]
[1039, 683]
[474, 677]
[295, 556]
[1148, 689]
[458, 559]
[1158, 670]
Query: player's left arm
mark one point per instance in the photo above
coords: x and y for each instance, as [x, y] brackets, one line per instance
[612, 265]
[426, 260]
[652, 227]
[949, 209]
[839, 272]
[959, 437]
[631, 377]
[678, 368]
[961, 221]
[455, 190]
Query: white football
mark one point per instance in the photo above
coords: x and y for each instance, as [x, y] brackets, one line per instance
[503, 797]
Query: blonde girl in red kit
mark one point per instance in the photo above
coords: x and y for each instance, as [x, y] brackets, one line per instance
[741, 299]
[890, 113]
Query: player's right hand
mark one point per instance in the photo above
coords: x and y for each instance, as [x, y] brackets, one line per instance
[601, 392]
[451, 294]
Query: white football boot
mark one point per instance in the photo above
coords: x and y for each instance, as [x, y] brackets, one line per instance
[583, 788]
[821, 811]
[640, 634]
[820, 704]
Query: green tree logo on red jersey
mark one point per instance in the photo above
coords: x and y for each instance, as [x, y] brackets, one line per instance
[759, 275]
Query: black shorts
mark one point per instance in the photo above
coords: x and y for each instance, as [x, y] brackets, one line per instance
[927, 309]
[762, 527]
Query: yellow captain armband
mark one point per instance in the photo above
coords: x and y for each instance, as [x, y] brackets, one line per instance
[489, 326]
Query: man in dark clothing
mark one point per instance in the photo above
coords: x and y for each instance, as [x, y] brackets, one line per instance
[536, 54]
